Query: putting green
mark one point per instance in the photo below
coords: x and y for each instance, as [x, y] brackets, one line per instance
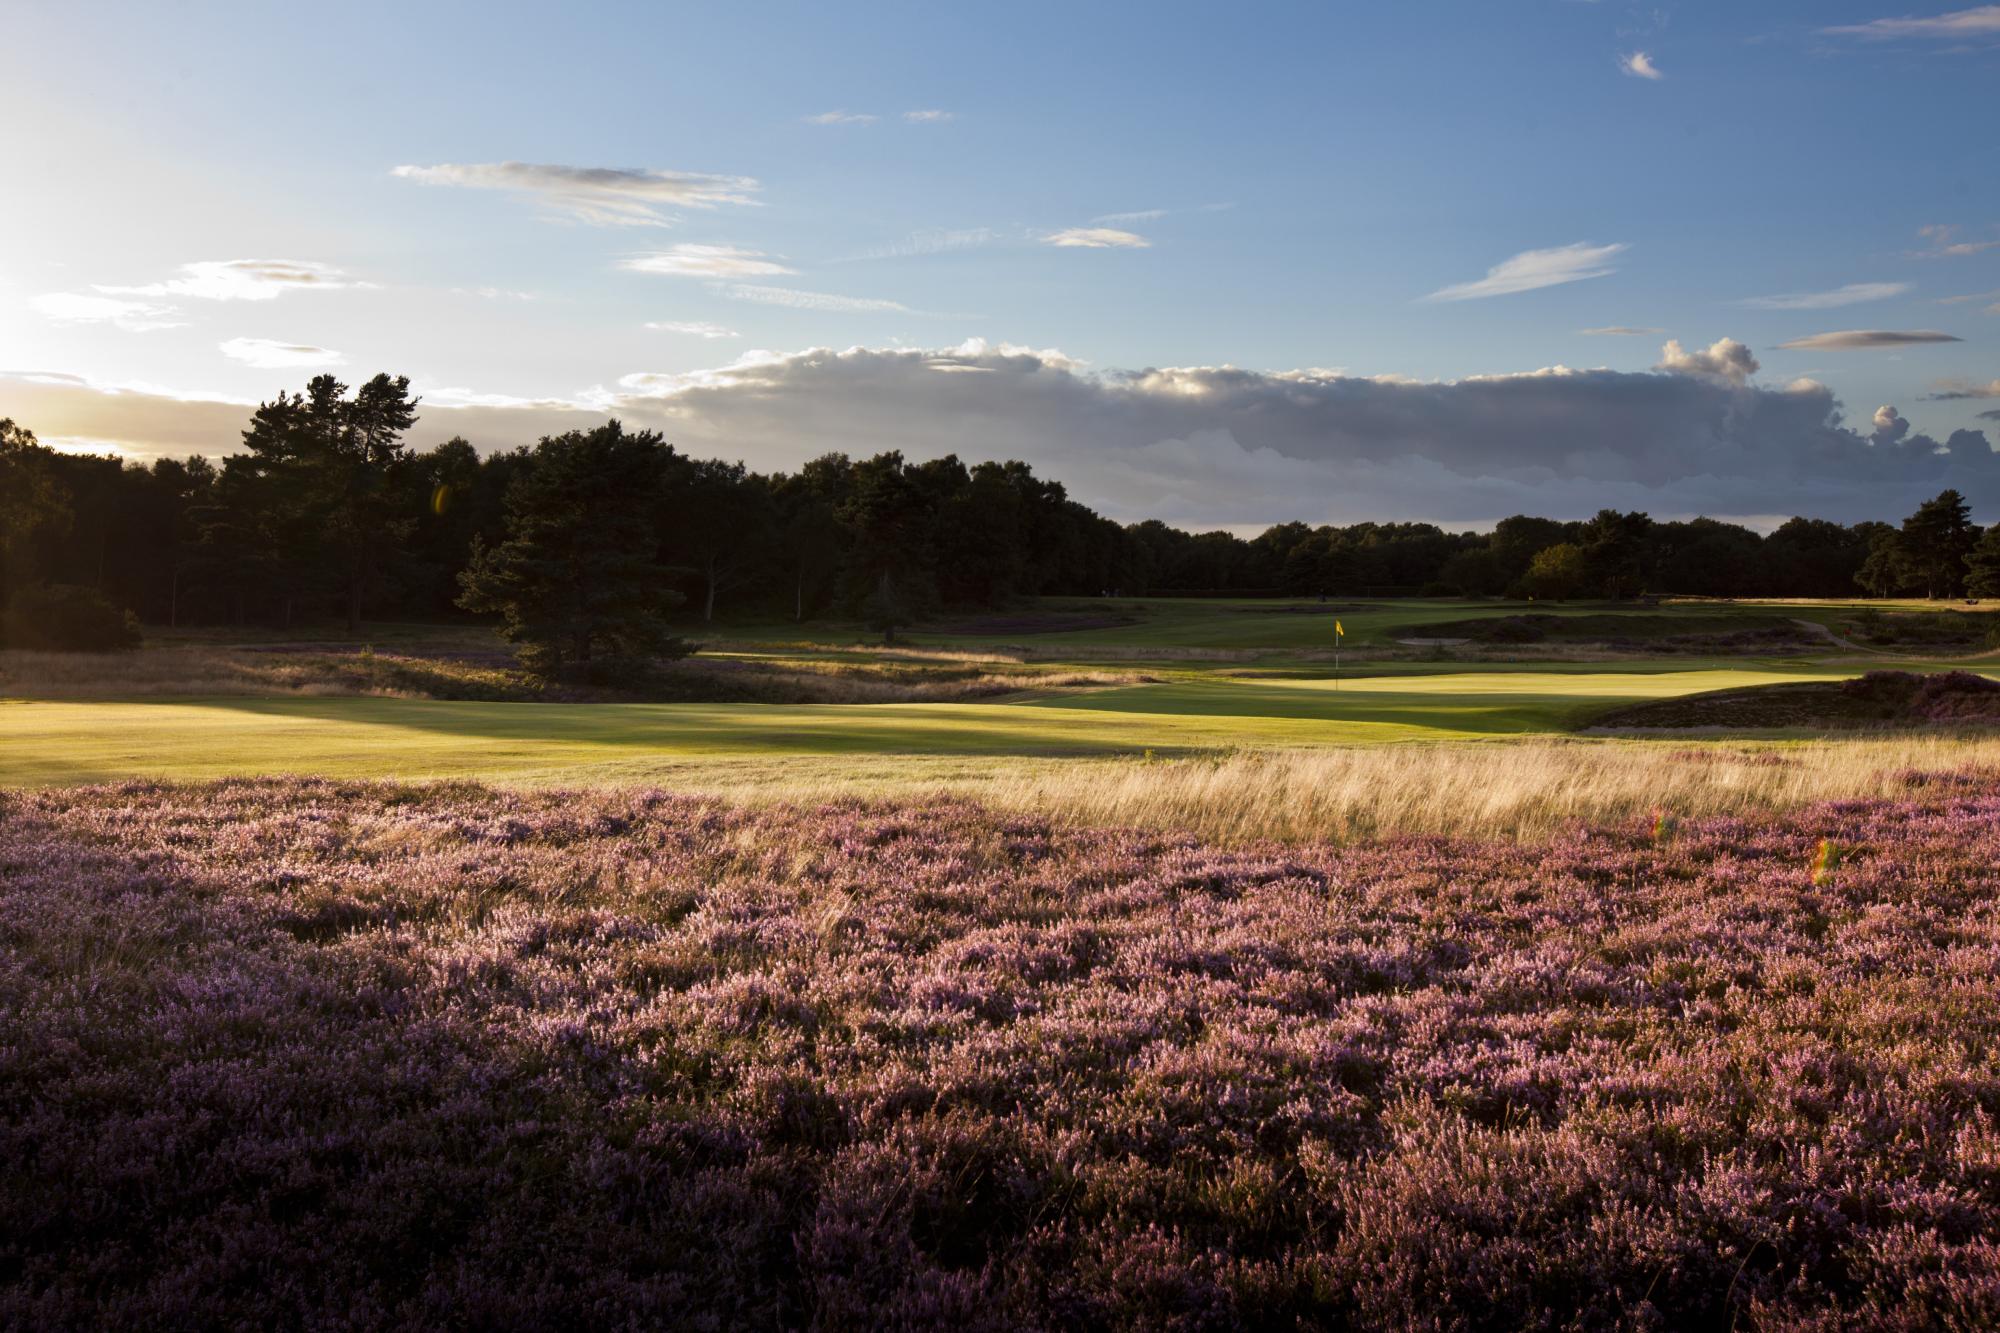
[47, 742]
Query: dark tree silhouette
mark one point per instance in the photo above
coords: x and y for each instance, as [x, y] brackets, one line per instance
[575, 577]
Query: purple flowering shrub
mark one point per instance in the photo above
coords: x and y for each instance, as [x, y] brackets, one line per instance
[299, 1053]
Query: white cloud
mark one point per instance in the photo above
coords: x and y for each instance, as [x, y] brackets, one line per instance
[1890, 425]
[1979, 21]
[706, 261]
[928, 117]
[842, 118]
[693, 328]
[1210, 445]
[1640, 66]
[1944, 243]
[131, 316]
[1843, 340]
[242, 280]
[1620, 331]
[1096, 238]
[1532, 269]
[1140, 215]
[265, 354]
[1953, 390]
[1854, 293]
[798, 300]
[1724, 359]
[606, 196]
[931, 241]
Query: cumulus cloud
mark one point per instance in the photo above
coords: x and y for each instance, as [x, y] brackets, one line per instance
[1208, 445]
[1096, 238]
[1843, 340]
[1640, 66]
[131, 316]
[693, 328]
[1890, 426]
[241, 280]
[842, 118]
[1620, 331]
[605, 196]
[706, 261]
[929, 117]
[1724, 359]
[798, 300]
[1854, 293]
[1979, 21]
[1535, 268]
[265, 354]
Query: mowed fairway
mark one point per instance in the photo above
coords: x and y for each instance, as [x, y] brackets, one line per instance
[50, 742]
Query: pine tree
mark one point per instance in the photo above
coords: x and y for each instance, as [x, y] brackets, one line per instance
[1982, 565]
[577, 577]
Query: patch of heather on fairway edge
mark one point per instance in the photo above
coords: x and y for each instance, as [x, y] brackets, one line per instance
[285, 1053]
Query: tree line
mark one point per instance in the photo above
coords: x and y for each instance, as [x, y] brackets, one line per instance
[326, 510]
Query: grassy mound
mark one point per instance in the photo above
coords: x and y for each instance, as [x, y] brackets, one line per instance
[1878, 699]
[1653, 633]
[299, 1054]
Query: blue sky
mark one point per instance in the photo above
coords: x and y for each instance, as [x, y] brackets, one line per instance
[1273, 187]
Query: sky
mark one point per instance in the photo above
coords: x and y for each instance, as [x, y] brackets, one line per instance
[1223, 265]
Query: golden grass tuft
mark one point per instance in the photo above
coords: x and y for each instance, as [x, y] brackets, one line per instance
[1528, 790]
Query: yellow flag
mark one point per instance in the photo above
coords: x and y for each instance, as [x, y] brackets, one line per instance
[1338, 630]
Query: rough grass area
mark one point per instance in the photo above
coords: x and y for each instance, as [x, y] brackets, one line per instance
[1877, 699]
[491, 677]
[296, 1054]
[1962, 630]
[1655, 633]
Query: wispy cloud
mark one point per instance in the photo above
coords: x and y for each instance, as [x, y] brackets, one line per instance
[131, 316]
[693, 328]
[241, 280]
[1620, 331]
[606, 196]
[798, 300]
[1979, 21]
[1854, 293]
[1140, 215]
[265, 354]
[706, 261]
[1640, 66]
[842, 118]
[1846, 340]
[1945, 391]
[1944, 243]
[1532, 269]
[930, 241]
[1096, 238]
[1970, 297]
[931, 117]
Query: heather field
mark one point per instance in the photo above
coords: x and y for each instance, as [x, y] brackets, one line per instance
[293, 1053]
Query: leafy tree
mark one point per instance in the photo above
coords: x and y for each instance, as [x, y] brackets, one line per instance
[1556, 572]
[1616, 552]
[1982, 565]
[720, 522]
[1936, 540]
[1887, 570]
[811, 537]
[577, 576]
[30, 497]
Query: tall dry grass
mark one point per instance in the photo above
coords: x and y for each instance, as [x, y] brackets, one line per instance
[1514, 790]
[1526, 790]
